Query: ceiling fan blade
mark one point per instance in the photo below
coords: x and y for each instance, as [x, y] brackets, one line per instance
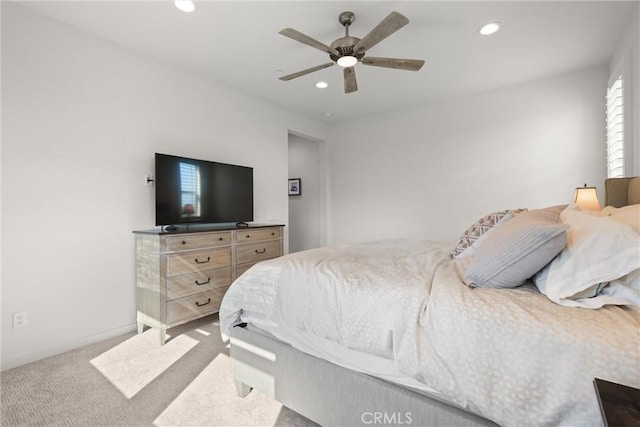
[397, 63]
[303, 38]
[350, 83]
[389, 25]
[307, 71]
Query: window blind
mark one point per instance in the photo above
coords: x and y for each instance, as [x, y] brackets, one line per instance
[615, 129]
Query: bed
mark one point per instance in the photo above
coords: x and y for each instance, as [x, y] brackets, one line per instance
[509, 325]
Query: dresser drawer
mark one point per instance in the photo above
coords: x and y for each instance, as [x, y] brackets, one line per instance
[193, 283]
[258, 251]
[195, 305]
[189, 262]
[255, 235]
[196, 241]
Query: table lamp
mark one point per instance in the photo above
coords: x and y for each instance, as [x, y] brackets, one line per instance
[587, 198]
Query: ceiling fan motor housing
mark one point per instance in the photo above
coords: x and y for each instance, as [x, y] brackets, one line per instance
[345, 45]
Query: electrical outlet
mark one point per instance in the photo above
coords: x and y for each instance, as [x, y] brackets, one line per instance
[19, 320]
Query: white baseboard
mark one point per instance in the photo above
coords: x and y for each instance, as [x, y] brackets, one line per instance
[40, 354]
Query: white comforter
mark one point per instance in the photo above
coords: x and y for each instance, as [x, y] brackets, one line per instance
[509, 355]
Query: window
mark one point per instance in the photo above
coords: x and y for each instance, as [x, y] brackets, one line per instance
[190, 190]
[615, 129]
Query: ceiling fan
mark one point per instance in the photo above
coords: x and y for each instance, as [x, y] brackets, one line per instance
[348, 51]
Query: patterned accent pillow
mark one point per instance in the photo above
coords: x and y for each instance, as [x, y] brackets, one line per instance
[479, 228]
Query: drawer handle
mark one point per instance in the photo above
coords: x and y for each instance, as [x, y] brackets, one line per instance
[184, 242]
[220, 238]
[262, 251]
[273, 234]
[247, 236]
[205, 303]
[203, 283]
[203, 262]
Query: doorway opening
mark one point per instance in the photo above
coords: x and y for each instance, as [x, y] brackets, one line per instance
[307, 204]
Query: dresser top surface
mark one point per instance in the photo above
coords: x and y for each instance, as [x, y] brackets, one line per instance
[202, 228]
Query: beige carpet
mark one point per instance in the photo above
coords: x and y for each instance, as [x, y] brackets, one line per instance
[132, 380]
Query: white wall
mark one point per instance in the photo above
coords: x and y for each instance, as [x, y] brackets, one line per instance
[304, 210]
[81, 120]
[430, 172]
[626, 60]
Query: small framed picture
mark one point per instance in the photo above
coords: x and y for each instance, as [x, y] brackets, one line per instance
[295, 187]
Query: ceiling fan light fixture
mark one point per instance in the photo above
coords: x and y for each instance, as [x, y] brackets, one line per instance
[347, 51]
[490, 28]
[322, 85]
[185, 5]
[347, 61]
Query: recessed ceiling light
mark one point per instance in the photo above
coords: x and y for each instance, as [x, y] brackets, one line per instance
[185, 5]
[347, 61]
[327, 114]
[322, 85]
[489, 28]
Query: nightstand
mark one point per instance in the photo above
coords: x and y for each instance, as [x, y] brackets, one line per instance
[619, 404]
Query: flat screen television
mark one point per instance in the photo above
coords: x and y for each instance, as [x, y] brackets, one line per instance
[192, 191]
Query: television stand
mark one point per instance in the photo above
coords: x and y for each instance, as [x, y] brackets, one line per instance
[182, 276]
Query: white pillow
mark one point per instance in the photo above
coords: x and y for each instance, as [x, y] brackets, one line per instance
[627, 214]
[600, 251]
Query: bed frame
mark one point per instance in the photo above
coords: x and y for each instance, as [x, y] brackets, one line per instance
[621, 191]
[334, 396]
[329, 394]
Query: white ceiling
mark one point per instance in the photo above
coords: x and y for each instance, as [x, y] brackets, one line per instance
[237, 44]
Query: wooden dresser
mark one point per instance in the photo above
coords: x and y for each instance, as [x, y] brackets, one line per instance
[181, 276]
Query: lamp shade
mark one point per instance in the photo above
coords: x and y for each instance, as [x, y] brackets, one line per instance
[587, 198]
[188, 209]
